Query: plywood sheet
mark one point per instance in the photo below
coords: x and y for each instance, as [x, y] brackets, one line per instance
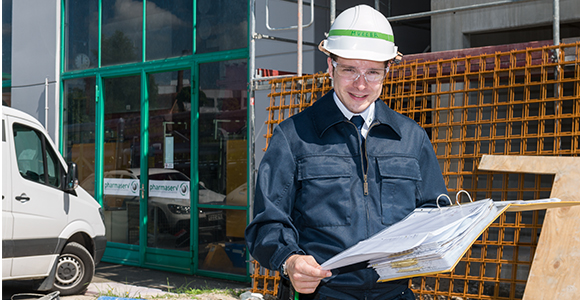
[555, 271]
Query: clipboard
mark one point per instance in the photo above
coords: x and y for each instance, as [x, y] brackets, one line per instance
[432, 240]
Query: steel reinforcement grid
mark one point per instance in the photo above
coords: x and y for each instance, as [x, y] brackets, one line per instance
[521, 102]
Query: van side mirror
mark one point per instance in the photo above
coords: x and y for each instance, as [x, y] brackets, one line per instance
[72, 181]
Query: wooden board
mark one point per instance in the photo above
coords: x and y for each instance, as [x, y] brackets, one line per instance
[555, 270]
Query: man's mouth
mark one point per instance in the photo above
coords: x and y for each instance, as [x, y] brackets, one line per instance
[358, 97]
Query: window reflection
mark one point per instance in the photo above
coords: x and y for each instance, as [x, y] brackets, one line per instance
[122, 31]
[6, 40]
[221, 25]
[79, 129]
[169, 28]
[223, 164]
[81, 34]
[169, 160]
[122, 150]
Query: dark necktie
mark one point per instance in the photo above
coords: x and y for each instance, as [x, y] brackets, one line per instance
[359, 121]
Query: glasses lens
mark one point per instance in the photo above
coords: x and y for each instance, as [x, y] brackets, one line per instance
[374, 75]
[350, 73]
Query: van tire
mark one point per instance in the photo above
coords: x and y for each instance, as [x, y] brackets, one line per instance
[74, 271]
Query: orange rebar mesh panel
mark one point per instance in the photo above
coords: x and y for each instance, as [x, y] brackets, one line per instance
[521, 102]
[264, 281]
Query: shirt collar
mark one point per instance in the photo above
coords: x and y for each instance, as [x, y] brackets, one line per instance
[368, 114]
[324, 115]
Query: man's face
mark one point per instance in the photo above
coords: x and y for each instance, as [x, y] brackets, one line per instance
[357, 94]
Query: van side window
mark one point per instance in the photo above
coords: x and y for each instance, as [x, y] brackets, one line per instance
[36, 160]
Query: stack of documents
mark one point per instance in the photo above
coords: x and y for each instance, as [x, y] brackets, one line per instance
[431, 240]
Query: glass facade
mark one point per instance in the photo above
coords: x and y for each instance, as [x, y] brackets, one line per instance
[155, 119]
[169, 28]
[6, 52]
[82, 31]
[222, 165]
[122, 32]
[121, 158]
[169, 160]
[221, 25]
[79, 130]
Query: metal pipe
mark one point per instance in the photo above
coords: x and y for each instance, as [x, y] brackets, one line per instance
[259, 36]
[452, 9]
[556, 22]
[378, 5]
[252, 46]
[46, 104]
[332, 11]
[556, 37]
[299, 43]
[288, 27]
[252, 117]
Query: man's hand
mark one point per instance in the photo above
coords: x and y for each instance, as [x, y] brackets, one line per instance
[305, 273]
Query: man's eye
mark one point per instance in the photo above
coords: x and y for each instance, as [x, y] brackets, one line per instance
[374, 72]
[349, 70]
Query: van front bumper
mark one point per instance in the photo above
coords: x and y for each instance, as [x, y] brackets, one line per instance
[100, 245]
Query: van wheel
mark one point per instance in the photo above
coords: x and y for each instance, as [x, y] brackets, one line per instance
[74, 271]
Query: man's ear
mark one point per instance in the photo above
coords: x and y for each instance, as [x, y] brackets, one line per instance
[330, 66]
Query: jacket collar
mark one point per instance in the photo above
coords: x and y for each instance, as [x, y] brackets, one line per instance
[324, 114]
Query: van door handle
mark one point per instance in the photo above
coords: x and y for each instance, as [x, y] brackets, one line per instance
[23, 198]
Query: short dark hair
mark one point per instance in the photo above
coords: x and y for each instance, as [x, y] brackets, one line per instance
[334, 57]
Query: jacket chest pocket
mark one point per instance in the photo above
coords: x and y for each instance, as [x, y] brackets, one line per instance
[399, 177]
[323, 198]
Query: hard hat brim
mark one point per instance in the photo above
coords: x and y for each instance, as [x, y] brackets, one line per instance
[358, 54]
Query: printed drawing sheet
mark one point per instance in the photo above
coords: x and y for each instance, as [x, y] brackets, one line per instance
[430, 240]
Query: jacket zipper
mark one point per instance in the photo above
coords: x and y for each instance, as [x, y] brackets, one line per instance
[364, 170]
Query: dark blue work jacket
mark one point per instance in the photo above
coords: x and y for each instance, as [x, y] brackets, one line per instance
[313, 196]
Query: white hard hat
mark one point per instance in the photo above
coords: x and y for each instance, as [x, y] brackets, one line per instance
[360, 32]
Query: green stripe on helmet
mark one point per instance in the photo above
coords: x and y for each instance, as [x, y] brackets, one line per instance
[362, 33]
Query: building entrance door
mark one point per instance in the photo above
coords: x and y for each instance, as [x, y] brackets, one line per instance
[174, 165]
[147, 166]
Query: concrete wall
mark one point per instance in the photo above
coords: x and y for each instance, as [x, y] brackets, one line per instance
[36, 57]
[448, 30]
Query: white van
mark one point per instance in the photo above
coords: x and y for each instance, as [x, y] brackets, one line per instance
[52, 230]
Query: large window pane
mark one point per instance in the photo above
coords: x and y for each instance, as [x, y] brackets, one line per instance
[169, 160]
[79, 128]
[222, 165]
[6, 39]
[122, 31]
[81, 34]
[221, 25]
[169, 28]
[121, 158]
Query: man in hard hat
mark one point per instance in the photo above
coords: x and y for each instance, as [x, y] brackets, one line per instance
[324, 185]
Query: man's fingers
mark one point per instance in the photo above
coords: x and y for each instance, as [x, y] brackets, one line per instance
[305, 284]
[307, 265]
[305, 273]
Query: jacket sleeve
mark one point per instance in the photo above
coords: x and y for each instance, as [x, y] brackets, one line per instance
[432, 183]
[271, 237]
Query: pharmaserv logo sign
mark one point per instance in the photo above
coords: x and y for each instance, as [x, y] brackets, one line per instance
[122, 187]
[157, 188]
[169, 189]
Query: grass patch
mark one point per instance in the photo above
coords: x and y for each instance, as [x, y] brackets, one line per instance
[185, 290]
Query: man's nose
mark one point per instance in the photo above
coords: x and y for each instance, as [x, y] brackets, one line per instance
[361, 82]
